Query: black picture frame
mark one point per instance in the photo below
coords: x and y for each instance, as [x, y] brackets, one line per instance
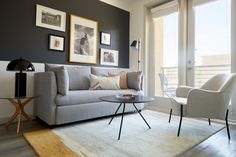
[52, 43]
[105, 38]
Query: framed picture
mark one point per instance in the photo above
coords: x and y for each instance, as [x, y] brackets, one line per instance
[105, 38]
[109, 57]
[56, 43]
[83, 40]
[50, 18]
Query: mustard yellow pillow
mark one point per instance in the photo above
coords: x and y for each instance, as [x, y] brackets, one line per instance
[123, 79]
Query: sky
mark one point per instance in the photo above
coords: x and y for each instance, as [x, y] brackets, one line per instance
[212, 32]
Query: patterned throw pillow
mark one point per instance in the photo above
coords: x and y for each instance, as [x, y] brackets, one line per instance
[123, 79]
[101, 82]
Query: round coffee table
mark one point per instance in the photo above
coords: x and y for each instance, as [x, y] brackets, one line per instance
[133, 101]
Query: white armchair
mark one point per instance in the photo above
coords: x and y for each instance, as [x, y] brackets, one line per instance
[209, 101]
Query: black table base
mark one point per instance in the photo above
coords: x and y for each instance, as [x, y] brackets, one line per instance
[122, 116]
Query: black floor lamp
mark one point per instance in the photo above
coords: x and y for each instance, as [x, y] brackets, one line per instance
[20, 77]
[137, 44]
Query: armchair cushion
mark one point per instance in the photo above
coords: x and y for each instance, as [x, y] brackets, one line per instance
[179, 100]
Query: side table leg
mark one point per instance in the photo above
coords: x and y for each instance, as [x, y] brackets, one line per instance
[141, 116]
[12, 118]
[115, 114]
[15, 114]
[121, 123]
[18, 125]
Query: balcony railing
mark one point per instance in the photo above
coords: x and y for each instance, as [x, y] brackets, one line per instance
[202, 74]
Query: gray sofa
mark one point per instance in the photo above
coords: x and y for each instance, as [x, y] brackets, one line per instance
[79, 103]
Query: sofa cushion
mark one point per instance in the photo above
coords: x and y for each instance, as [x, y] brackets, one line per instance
[104, 71]
[89, 96]
[134, 80]
[79, 77]
[61, 77]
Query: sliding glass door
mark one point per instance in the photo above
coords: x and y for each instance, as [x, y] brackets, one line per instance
[209, 40]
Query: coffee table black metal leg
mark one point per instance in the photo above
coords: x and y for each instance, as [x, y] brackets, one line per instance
[115, 114]
[121, 123]
[141, 116]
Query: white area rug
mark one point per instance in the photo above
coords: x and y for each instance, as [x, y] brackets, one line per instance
[98, 139]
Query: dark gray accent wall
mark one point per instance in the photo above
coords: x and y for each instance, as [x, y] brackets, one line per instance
[19, 37]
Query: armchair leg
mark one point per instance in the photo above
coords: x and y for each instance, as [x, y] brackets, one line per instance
[180, 121]
[170, 115]
[209, 121]
[226, 122]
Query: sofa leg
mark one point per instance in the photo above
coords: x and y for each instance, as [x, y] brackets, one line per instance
[180, 121]
[170, 115]
[226, 122]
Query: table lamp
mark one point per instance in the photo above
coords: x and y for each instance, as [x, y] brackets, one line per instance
[20, 77]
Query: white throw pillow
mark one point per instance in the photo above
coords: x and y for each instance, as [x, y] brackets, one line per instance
[101, 82]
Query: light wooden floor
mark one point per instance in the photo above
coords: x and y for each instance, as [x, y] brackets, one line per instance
[13, 145]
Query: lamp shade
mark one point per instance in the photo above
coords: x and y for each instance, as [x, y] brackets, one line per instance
[20, 65]
[134, 44]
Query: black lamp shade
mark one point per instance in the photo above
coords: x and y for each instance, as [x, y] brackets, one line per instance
[20, 65]
[20, 78]
[134, 44]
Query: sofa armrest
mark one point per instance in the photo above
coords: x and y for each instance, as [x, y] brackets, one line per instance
[45, 88]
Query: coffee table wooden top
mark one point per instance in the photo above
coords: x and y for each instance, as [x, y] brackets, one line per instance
[136, 99]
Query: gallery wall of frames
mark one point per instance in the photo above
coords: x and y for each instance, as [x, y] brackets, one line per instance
[84, 32]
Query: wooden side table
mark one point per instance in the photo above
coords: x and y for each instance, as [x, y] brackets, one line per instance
[19, 103]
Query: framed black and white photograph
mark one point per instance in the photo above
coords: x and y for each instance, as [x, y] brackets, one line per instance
[56, 43]
[105, 38]
[83, 40]
[109, 57]
[50, 18]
